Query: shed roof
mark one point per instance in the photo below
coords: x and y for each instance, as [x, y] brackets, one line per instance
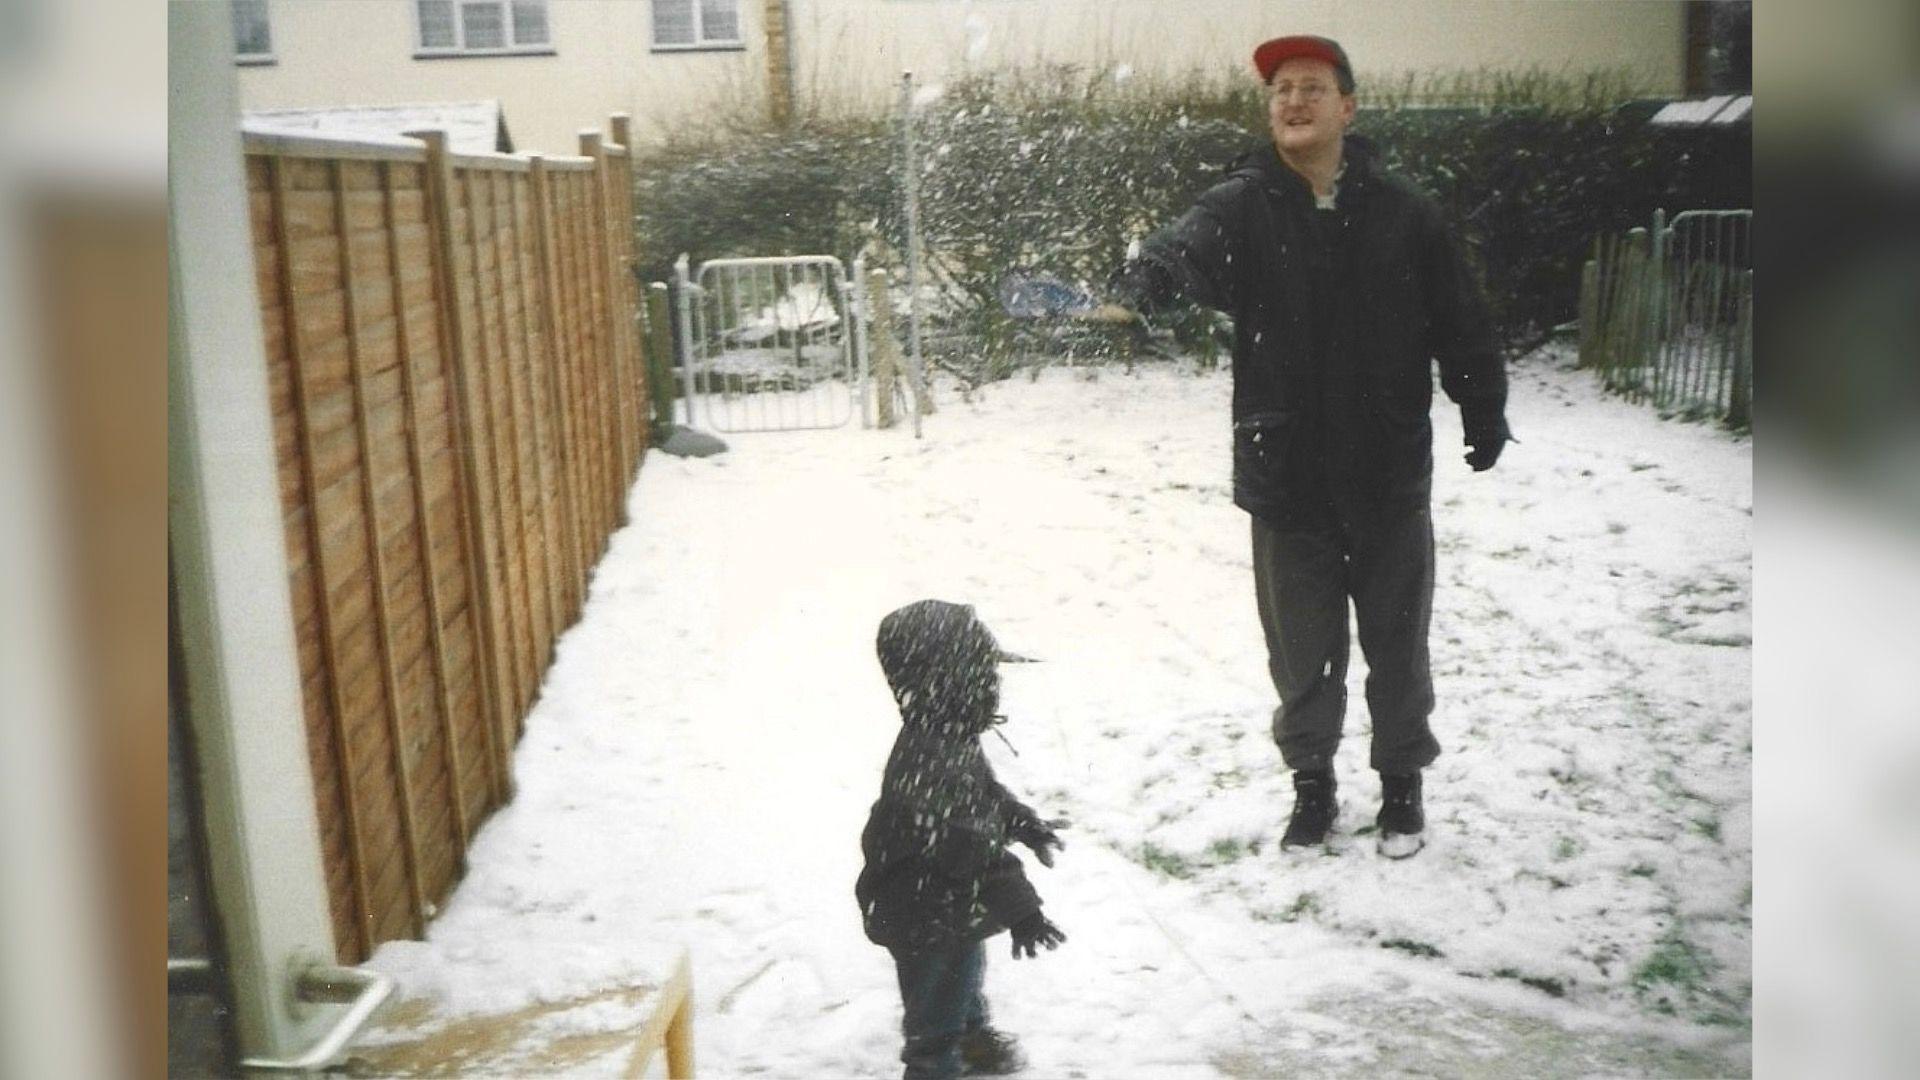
[1719, 109]
[472, 127]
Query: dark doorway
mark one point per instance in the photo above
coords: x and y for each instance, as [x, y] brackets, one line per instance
[201, 1040]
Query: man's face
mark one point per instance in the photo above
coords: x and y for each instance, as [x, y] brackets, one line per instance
[1305, 107]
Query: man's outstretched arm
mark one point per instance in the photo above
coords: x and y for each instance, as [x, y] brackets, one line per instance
[1198, 259]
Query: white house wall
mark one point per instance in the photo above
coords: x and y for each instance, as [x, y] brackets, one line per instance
[864, 44]
[360, 52]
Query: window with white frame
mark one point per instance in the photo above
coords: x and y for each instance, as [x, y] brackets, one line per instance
[252, 40]
[482, 27]
[696, 24]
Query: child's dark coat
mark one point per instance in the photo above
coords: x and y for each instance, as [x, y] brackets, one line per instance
[938, 872]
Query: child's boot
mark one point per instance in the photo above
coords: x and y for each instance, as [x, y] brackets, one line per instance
[991, 1052]
[933, 1057]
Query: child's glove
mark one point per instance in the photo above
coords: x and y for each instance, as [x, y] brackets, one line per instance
[1040, 835]
[1034, 931]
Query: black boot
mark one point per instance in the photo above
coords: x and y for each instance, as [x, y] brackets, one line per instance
[1314, 808]
[1402, 820]
[991, 1052]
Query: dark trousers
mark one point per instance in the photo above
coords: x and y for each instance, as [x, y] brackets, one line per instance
[940, 1001]
[1303, 580]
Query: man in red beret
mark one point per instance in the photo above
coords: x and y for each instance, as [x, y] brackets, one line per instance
[1346, 286]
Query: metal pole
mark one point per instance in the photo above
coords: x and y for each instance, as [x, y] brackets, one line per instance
[683, 301]
[911, 168]
[856, 306]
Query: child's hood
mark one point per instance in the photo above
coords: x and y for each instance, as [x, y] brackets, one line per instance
[939, 659]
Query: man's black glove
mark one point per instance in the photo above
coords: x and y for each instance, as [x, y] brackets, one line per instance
[1042, 836]
[1032, 932]
[1483, 455]
[1485, 426]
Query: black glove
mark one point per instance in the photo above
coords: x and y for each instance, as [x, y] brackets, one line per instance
[1485, 425]
[1042, 836]
[1034, 931]
[1483, 455]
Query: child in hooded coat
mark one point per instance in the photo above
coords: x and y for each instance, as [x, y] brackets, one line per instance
[939, 879]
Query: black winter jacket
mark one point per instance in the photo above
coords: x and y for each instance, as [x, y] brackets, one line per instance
[938, 871]
[1338, 318]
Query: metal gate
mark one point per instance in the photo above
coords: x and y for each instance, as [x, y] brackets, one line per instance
[772, 344]
[1703, 332]
[1666, 315]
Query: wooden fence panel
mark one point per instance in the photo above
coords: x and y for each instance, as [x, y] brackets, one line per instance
[312, 301]
[519, 319]
[478, 272]
[598, 351]
[448, 558]
[571, 228]
[454, 387]
[555, 385]
[402, 191]
[339, 836]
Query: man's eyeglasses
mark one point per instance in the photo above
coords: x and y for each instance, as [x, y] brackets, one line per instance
[1310, 92]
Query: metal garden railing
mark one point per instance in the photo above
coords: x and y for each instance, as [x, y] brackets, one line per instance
[1666, 314]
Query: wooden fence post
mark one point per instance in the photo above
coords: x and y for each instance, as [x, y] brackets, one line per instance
[883, 345]
[616, 353]
[1589, 312]
[1612, 299]
[439, 187]
[631, 309]
[607, 367]
[1602, 255]
[605, 373]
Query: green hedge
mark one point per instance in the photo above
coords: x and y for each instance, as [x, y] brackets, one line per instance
[1054, 170]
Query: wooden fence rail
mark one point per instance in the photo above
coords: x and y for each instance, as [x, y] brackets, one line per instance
[1666, 316]
[457, 375]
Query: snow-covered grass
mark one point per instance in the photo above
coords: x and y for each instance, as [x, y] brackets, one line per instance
[707, 742]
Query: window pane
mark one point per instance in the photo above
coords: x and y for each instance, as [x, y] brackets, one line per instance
[673, 22]
[529, 22]
[482, 25]
[250, 36]
[720, 20]
[436, 24]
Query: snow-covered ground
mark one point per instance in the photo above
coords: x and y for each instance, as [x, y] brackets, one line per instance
[703, 754]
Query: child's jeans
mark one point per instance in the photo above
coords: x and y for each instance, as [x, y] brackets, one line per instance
[940, 997]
